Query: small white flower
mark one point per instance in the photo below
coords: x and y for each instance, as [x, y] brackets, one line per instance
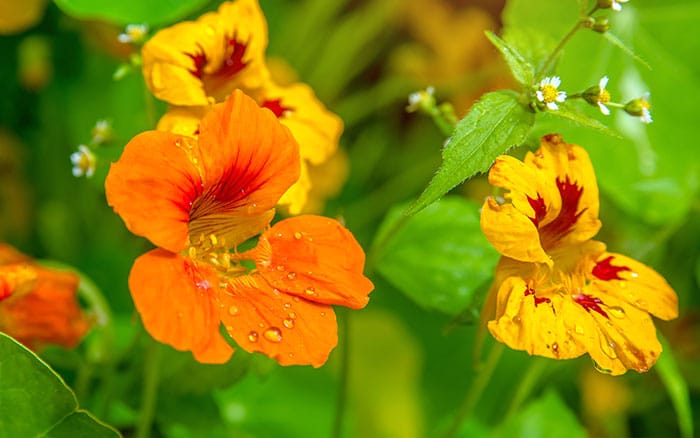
[549, 93]
[84, 162]
[640, 107]
[133, 33]
[603, 96]
[420, 98]
[616, 4]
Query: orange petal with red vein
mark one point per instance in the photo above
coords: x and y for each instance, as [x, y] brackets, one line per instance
[177, 300]
[291, 330]
[248, 158]
[316, 258]
[152, 187]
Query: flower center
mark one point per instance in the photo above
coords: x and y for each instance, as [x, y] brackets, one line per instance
[604, 96]
[549, 93]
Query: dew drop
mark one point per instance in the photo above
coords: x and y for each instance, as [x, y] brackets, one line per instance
[276, 292]
[280, 268]
[287, 305]
[233, 310]
[616, 311]
[178, 142]
[608, 348]
[209, 30]
[516, 319]
[292, 275]
[292, 315]
[598, 367]
[273, 334]
[579, 329]
[289, 323]
[296, 299]
[634, 275]
[555, 348]
[261, 325]
[310, 291]
[279, 234]
[640, 303]
[253, 336]
[297, 235]
[323, 313]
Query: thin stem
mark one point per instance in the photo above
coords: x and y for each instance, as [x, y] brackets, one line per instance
[477, 389]
[532, 375]
[149, 395]
[344, 323]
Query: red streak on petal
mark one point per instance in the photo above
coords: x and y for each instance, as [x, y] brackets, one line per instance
[538, 300]
[200, 60]
[276, 107]
[233, 62]
[605, 271]
[590, 303]
[568, 215]
[539, 207]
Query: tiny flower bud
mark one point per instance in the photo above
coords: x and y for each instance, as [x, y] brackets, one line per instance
[640, 107]
[598, 95]
[102, 132]
[607, 4]
[423, 100]
[601, 25]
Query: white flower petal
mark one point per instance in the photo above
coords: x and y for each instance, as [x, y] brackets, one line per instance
[553, 106]
[604, 109]
[556, 81]
[561, 96]
[603, 83]
[540, 96]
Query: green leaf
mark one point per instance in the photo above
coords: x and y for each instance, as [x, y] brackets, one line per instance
[35, 400]
[577, 116]
[545, 417]
[439, 257]
[676, 387]
[522, 70]
[152, 12]
[494, 124]
[531, 42]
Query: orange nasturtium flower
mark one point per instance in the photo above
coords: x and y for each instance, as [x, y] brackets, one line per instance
[196, 63]
[198, 200]
[38, 306]
[556, 292]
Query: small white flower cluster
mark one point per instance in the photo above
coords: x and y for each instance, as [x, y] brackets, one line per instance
[84, 162]
[133, 33]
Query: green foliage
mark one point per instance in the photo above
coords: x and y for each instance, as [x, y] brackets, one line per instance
[522, 70]
[494, 124]
[152, 12]
[570, 112]
[676, 387]
[546, 417]
[439, 257]
[35, 400]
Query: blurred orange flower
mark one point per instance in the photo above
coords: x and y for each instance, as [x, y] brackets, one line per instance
[38, 306]
[557, 293]
[16, 17]
[193, 64]
[199, 200]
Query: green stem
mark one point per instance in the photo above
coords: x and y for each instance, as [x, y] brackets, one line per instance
[344, 323]
[149, 395]
[477, 389]
[532, 376]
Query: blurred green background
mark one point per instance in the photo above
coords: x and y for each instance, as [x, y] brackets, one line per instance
[406, 363]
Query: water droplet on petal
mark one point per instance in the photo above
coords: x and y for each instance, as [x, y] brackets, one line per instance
[616, 311]
[516, 319]
[555, 349]
[323, 313]
[598, 367]
[289, 323]
[310, 291]
[276, 292]
[273, 334]
[253, 336]
[579, 329]
[209, 30]
[608, 348]
[640, 303]
[292, 315]
[280, 268]
[292, 275]
[297, 235]
[634, 275]
[279, 234]
[287, 305]
[296, 299]
[233, 310]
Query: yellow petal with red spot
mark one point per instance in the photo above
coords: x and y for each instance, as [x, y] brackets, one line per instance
[291, 330]
[177, 300]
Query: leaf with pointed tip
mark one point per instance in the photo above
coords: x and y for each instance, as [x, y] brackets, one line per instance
[35, 401]
[522, 70]
[494, 124]
[676, 387]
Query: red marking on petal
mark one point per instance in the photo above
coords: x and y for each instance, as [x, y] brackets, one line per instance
[538, 300]
[539, 207]
[568, 215]
[590, 303]
[605, 271]
[200, 60]
[276, 107]
[233, 62]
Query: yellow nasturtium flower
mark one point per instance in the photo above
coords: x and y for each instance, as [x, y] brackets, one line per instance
[192, 65]
[556, 292]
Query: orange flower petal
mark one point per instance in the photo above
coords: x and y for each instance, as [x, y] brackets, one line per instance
[511, 232]
[16, 279]
[249, 160]
[9, 255]
[152, 188]
[48, 314]
[316, 258]
[291, 330]
[637, 284]
[177, 300]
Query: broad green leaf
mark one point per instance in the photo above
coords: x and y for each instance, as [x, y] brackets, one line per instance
[439, 257]
[152, 12]
[545, 417]
[494, 124]
[569, 112]
[522, 70]
[34, 400]
[676, 387]
[531, 42]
